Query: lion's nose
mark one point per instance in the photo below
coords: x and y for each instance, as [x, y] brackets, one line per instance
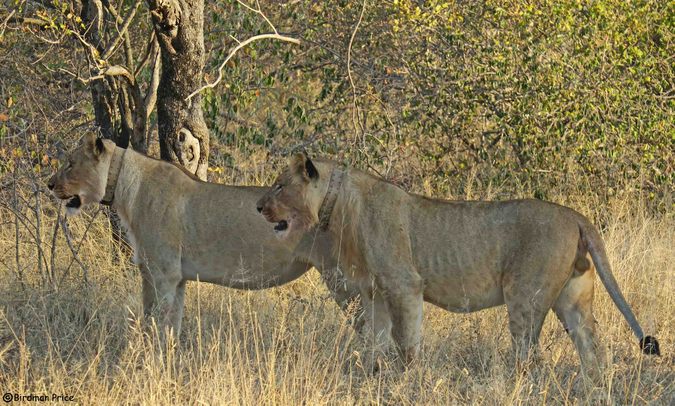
[259, 208]
[50, 184]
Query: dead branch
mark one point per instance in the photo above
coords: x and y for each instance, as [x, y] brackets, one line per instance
[123, 32]
[126, 116]
[75, 251]
[52, 259]
[114, 70]
[4, 23]
[149, 50]
[128, 51]
[117, 70]
[356, 121]
[26, 20]
[92, 49]
[259, 11]
[242, 44]
[151, 94]
[234, 51]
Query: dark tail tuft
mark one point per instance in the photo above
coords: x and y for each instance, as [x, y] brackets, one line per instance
[650, 345]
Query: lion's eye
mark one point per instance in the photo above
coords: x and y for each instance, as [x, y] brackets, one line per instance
[277, 188]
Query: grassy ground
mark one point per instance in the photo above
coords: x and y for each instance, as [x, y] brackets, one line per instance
[68, 326]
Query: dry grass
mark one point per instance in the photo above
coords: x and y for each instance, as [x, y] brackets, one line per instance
[292, 345]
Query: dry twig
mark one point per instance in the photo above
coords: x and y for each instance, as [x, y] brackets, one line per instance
[356, 120]
[242, 44]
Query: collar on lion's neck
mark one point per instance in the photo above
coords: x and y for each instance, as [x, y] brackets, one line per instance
[113, 174]
[337, 176]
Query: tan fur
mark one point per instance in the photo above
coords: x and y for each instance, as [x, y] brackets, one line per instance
[183, 229]
[403, 249]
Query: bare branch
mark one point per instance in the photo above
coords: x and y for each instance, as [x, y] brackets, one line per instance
[84, 81]
[128, 51]
[125, 26]
[140, 114]
[91, 48]
[149, 50]
[356, 121]
[4, 23]
[126, 115]
[259, 11]
[24, 20]
[76, 250]
[151, 94]
[117, 70]
[234, 51]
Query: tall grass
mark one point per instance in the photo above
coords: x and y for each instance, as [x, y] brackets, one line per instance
[70, 326]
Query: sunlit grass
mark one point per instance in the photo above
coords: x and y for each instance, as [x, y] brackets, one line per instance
[292, 345]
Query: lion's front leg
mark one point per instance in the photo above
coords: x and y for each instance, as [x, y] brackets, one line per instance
[403, 294]
[344, 290]
[405, 305]
[346, 293]
[388, 260]
[377, 325]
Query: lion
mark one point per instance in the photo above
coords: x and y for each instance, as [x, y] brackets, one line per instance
[402, 249]
[183, 229]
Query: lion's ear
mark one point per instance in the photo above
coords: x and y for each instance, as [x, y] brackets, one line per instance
[94, 144]
[99, 147]
[311, 170]
[89, 141]
[302, 166]
[297, 163]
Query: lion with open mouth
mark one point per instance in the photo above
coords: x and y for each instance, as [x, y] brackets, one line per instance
[183, 229]
[403, 249]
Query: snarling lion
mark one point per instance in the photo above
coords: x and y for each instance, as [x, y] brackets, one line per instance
[403, 249]
[182, 229]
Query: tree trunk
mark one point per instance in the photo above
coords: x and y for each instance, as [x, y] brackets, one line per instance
[183, 135]
[103, 98]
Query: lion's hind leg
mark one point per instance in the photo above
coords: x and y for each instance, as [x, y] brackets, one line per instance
[525, 326]
[529, 296]
[574, 309]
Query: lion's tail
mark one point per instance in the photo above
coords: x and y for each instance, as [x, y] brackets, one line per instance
[593, 242]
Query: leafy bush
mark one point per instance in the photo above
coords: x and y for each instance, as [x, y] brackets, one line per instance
[534, 93]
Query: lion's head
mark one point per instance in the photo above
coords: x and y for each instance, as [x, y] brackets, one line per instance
[294, 200]
[82, 179]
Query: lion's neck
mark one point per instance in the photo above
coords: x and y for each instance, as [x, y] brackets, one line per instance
[113, 173]
[331, 191]
[343, 220]
[129, 180]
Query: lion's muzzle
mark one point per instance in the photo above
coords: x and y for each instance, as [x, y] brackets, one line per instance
[74, 202]
[281, 225]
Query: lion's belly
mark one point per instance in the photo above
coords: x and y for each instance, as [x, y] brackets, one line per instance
[457, 292]
[244, 273]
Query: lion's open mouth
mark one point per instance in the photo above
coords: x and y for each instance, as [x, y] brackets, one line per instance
[74, 202]
[281, 226]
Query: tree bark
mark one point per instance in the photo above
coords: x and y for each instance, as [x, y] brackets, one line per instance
[183, 135]
[103, 98]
